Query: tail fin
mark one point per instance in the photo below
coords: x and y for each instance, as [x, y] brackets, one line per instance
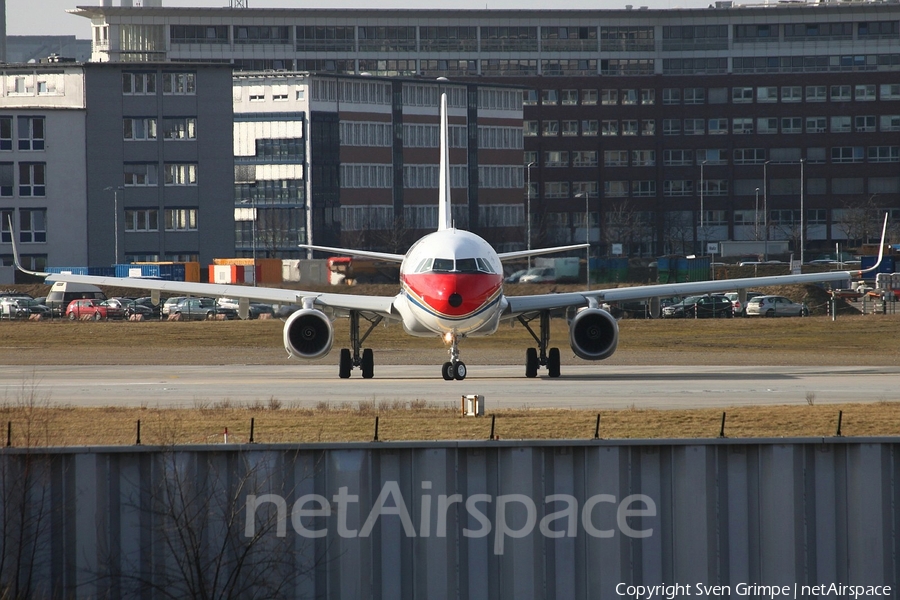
[444, 213]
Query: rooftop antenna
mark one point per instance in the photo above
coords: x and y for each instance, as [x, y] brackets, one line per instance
[238, 3]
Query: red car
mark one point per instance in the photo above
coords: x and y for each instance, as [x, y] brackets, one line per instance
[86, 306]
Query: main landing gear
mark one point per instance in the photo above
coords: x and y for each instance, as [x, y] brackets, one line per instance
[366, 361]
[550, 358]
[454, 368]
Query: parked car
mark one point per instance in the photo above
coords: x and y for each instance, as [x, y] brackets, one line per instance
[700, 307]
[21, 307]
[200, 309]
[776, 306]
[255, 308]
[147, 302]
[539, 275]
[740, 309]
[91, 307]
[123, 308]
[514, 277]
[169, 304]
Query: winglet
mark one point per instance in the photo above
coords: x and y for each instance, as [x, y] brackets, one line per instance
[444, 213]
[16, 261]
[880, 248]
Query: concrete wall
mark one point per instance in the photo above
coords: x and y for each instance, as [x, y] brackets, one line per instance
[561, 519]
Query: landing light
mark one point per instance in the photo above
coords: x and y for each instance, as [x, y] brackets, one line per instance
[447, 337]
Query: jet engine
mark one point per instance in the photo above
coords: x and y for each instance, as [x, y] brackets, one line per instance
[593, 334]
[308, 334]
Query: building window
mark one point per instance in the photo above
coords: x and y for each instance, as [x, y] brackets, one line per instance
[840, 93]
[741, 95]
[588, 97]
[198, 34]
[816, 125]
[180, 174]
[671, 126]
[32, 179]
[181, 219]
[889, 122]
[32, 226]
[5, 234]
[678, 187]
[261, 34]
[791, 124]
[815, 93]
[5, 133]
[569, 97]
[629, 127]
[615, 189]
[671, 96]
[610, 128]
[742, 125]
[140, 129]
[629, 97]
[864, 93]
[695, 95]
[139, 84]
[184, 128]
[570, 128]
[615, 158]
[144, 219]
[141, 174]
[551, 129]
[718, 126]
[766, 94]
[609, 97]
[529, 98]
[556, 158]
[179, 84]
[643, 189]
[678, 158]
[882, 154]
[648, 96]
[847, 154]
[767, 125]
[549, 97]
[530, 128]
[556, 189]
[648, 127]
[890, 91]
[749, 156]
[7, 183]
[792, 93]
[712, 156]
[590, 127]
[643, 158]
[864, 123]
[584, 158]
[694, 127]
[31, 133]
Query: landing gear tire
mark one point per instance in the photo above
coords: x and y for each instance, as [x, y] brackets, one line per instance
[447, 371]
[345, 365]
[553, 362]
[531, 362]
[460, 371]
[368, 364]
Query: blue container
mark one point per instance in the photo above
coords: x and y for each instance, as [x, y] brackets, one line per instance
[167, 272]
[71, 270]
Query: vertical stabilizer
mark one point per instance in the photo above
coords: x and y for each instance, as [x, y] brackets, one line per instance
[444, 218]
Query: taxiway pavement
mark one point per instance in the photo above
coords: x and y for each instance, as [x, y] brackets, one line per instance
[581, 387]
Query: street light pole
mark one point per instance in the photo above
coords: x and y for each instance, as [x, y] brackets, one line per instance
[528, 210]
[587, 237]
[765, 212]
[702, 229]
[802, 217]
[756, 218]
[255, 215]
[115, 191]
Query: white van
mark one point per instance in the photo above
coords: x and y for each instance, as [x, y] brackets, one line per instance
[63, 292]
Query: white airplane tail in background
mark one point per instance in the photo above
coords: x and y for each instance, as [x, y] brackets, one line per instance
[445, 219]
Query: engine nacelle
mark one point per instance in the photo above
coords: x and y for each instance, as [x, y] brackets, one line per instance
[594, 334]
[308, 334]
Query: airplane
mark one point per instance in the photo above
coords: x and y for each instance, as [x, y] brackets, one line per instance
[451, 286]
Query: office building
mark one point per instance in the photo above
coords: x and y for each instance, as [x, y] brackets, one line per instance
[655, 128]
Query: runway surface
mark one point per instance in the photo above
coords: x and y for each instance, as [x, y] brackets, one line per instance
[583, 386]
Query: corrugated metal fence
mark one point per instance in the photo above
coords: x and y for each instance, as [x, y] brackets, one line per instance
[562, 519]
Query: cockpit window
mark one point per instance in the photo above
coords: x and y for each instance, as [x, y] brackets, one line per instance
[442, 264]
[466, 265]
[424, 265]
[483, 265]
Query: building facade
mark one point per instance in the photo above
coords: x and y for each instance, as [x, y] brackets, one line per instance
[100, 163]
[654, 128]
[362, 153]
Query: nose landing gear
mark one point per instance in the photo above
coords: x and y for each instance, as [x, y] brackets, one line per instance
[454, 368]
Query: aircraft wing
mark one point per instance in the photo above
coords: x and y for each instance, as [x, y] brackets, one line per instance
[381, 305]
[363, 253]
[524, 304]
[526, 253]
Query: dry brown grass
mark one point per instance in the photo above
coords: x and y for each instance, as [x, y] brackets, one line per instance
[67, 426]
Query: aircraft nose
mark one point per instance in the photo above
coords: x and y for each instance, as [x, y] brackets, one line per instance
[455, 300]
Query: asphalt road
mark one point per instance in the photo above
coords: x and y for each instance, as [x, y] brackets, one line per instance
[583, 386]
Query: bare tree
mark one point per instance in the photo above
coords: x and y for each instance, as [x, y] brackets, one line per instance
[861, 221]
[678, 232]
[622, 223]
